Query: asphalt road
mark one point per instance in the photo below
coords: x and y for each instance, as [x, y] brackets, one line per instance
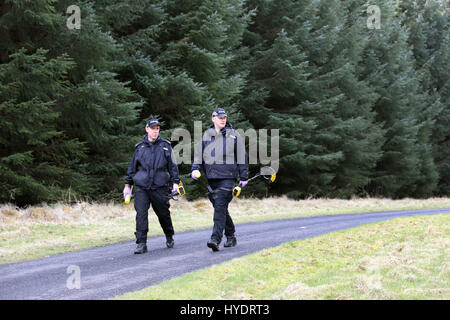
[112, 270]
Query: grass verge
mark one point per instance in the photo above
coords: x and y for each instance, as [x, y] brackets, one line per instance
[40, 231]
[404, 258]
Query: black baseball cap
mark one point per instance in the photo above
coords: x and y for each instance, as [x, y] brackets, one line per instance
[153, 122]
[219, 112]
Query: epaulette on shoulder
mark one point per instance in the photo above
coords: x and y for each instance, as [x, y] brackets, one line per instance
[166, 141]
[138, 144]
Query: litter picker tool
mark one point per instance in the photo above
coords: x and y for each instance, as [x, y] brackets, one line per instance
[180, 192]
[128, 196]
[267, 174]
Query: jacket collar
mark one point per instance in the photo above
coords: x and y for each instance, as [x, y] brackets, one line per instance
[145, 140]
[223, 131]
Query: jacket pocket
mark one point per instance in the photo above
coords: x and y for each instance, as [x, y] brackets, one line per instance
[140, 179]
[161, 178]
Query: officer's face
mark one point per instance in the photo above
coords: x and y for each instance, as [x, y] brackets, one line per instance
[219, 122]
[152, 132]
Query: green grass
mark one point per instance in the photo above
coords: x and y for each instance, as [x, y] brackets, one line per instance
[40, 231]
[405, 258]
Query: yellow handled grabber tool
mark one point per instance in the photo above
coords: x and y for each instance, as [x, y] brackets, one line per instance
[268, 175]
[237, 191]
[180, 192]
[128, 197]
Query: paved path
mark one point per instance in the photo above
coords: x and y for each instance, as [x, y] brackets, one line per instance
[113, 270]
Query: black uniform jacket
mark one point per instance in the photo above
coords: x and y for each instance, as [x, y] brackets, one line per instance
[153, 165]
[221, 155]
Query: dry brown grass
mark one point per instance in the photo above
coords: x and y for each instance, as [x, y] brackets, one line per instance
[37, 231]
[58, 213]
[239, 208]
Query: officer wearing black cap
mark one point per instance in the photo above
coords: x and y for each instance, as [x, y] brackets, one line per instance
[221, 155]
[152, 159]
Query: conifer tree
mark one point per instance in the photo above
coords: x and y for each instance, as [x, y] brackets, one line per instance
[305, 59]
[389, 66]
[86, 110]
[37, 162]
[100, 110]
[179, 56]
[429, 38]
[360, 111]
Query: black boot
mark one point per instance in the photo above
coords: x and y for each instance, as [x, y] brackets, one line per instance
[231, 241]
[141, 248]
[213, 244]
[169, 241]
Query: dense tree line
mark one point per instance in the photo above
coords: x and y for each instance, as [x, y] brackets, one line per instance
[360, 111]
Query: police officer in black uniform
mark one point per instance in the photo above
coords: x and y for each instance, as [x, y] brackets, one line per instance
[221, 155]
[152, 159]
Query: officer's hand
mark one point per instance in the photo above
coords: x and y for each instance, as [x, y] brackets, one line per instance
[175, 187]
[195, 174]
[126, 190]
[243, 183]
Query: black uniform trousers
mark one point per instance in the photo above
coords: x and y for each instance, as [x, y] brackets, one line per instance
[220, 198]
[159, 200]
